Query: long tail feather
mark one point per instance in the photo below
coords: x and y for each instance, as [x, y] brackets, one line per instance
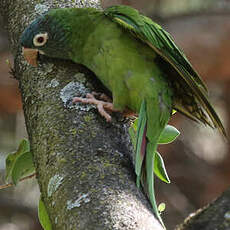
[148, 133]
[141, 142]
[150, 157]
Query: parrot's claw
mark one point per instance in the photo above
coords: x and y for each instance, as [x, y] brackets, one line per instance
[102, 106]
[102, 96]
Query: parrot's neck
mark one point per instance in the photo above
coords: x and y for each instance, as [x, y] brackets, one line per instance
[73, 27]
[81, 28]
[92, 36]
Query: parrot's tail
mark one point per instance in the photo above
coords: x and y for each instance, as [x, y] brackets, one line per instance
[141, 142]
[145, 154]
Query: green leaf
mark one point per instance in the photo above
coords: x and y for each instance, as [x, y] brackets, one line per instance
[23, 166]
[161, 207]
[173, 111]
[159, 168]
[168, 135]
[43, 216]
[19, 163]
[10, 160]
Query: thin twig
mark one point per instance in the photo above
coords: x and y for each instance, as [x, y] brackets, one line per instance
[22, 179]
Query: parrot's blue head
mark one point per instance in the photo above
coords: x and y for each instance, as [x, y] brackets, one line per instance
[30, 32]
[45, 35]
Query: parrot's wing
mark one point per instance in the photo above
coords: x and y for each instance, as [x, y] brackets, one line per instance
[162, 43]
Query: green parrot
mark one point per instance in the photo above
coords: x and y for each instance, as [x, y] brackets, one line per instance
[137, 61]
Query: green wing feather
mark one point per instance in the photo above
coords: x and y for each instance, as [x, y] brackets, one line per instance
[162, 43]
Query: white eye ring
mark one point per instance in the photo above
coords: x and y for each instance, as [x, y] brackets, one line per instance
[40, 39]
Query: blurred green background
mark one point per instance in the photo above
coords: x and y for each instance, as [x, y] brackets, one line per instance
[197, 163]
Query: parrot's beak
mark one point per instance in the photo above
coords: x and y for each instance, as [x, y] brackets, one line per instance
[30, 55]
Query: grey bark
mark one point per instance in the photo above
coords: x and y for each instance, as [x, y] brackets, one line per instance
[84, 167]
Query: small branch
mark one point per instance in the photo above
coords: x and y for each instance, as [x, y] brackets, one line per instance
[22, 179]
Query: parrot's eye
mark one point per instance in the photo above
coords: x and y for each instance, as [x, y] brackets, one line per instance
[40, 39]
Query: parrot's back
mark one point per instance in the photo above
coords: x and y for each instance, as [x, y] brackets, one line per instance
[125, 65]
[123, 61]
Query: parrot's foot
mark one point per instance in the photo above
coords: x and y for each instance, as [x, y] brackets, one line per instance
[105, 98]
[102, 106]
[102, 96]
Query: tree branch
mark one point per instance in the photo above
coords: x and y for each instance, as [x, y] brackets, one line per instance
[214, 216]
[83, 164]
